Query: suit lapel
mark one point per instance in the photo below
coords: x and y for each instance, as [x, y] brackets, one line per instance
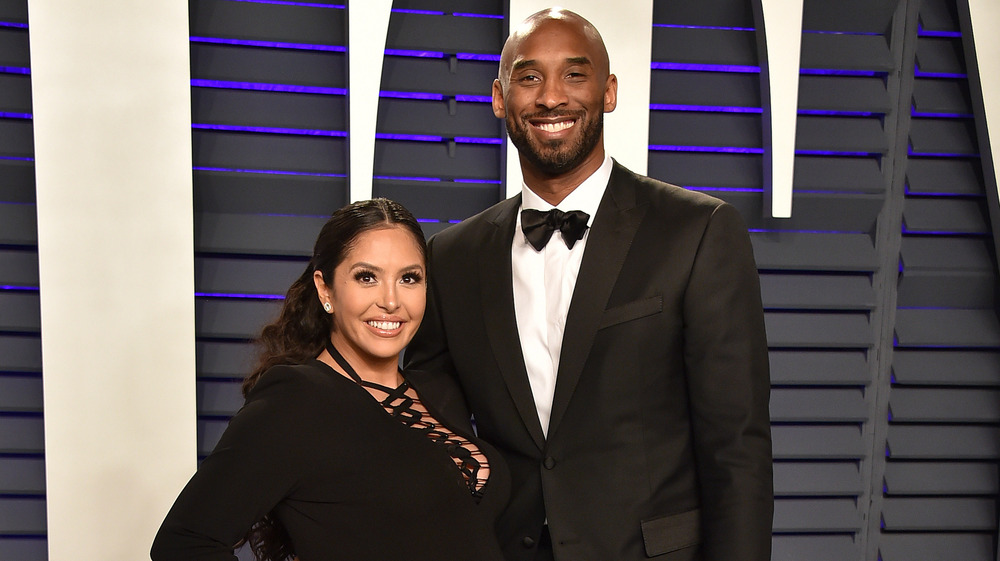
[498, 312]
[611, 234]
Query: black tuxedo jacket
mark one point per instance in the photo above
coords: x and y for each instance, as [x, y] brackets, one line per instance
[659, 442]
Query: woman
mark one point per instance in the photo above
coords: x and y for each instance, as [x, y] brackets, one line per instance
[334, 454]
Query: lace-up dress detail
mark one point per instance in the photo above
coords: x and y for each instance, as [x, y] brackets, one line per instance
[403, 404]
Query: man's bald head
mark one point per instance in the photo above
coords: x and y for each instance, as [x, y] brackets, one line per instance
[570, 21]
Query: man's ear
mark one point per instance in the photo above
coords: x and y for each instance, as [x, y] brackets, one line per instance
[611, 93]
[498, 106]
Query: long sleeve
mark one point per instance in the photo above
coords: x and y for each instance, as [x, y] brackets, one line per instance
[725, 353]
[244, 477]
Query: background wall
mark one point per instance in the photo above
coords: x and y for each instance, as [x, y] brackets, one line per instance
[879, 291]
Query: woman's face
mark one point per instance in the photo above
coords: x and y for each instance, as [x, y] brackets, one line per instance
[378, 295]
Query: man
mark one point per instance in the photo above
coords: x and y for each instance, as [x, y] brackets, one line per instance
[622, 375]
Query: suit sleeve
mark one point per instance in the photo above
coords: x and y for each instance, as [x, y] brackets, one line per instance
[428, 351]
[725, 353]
[251, 469]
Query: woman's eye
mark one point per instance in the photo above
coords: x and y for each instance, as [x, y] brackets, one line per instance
[365, 277]
[412, 278]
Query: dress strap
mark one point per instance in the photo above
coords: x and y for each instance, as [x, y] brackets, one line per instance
[339, 358]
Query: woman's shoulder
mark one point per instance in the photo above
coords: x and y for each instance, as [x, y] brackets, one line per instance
[301, 383]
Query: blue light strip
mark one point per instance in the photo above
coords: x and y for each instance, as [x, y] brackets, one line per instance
[719, 149]
[839, 72]
[240, 296]
[418, 12]
[726, 189]
[915, 113]
[19, 288]
[719, 27]
[917, 73]
[290, 3]
[256, 86]
[269, 44]
[477, 140]
[471, 15]
[18, 158]
[13, 24]
[474, 98]
[14, 70]
[413, 53]
[405, 178]
[703, 108]
[412, 95]
[429, 221]
[268, 171]
[491, 181]
[833, 113]
[412, 137]
[921, 32]
[827, 32]
[910, 152]
[778, 231]
[836, 153]
[10, 115]
[477, 56]
[268, 130]
[705, 67]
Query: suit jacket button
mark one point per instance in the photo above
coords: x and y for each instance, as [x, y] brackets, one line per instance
[549, 462]
[527, 541]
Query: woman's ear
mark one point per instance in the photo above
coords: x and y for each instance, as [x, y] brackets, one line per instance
[323, 292]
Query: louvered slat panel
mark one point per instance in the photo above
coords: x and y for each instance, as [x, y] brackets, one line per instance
[816, 515]
[19, 475]
[942, 177]
[941, 405]
[841, 134]
[946, 367]
[230, 359]
[947, 328]
[438, 137]
[817, 442]
[817, 292]
[941, 478]
[942, 96]
[806, 251]
[842, 174]
[814, 212]
[817, 478]
[270, 154]
[22, 471]
[819, 368]
[818, 330]
[815, 548]
[934, 547]
[20, 354]
[939, 514]
[818, 405]
[233, 318]
[706, 169]
[960, 216]
[860, 94]
[21, 434]
[228, 275]
[22, 516]
[942, 442]
[256, 234]
[218, 397]
[21, 394]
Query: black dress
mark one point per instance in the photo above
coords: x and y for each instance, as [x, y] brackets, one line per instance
[345, 478]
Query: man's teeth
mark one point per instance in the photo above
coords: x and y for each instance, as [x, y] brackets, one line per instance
[385, 325]
[556, 127]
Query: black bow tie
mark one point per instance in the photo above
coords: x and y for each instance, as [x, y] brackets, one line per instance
[538, 226]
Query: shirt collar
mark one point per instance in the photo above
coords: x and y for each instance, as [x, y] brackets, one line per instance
[586, 197]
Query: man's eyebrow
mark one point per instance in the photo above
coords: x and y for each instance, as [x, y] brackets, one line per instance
[524, 63]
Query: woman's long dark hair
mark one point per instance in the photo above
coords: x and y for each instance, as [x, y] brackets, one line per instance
[302, 329]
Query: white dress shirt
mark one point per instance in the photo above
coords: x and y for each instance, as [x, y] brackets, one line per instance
[543, 287]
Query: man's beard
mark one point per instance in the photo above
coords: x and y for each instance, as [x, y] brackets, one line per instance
[558, 156]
